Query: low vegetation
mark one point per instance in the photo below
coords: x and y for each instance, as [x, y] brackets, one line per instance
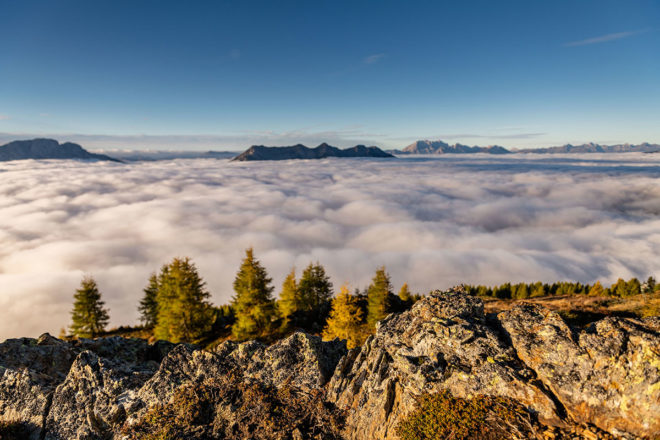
[229, 408]
[441, 416]
[175, 304]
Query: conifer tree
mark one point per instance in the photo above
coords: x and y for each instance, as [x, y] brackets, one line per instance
[404, 293]
[148, 307]
[315, 287]
[345, 321]
[88, 316]
[290, 297]
[184, 313]
[253, 303]
[597, 289]
[378, 297]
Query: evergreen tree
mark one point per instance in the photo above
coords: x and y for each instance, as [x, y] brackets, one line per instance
[522, 291]
[345, 321]
[649, 286]
[184, 313]
[620, 288]
[290, 298]
[315, 287]
[148, 307]
[253, 303]
[378, 297]
[88, 316]
[633, 287]
[597, 289]
[404, 293]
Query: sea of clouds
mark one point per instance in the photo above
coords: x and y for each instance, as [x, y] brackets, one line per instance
[433, 222]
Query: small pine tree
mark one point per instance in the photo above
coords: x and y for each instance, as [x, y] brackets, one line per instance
[345, 321]
[148, 307]
[378, 297]
[404, 293]
[88, 316]
[184, 314]
[290, 298]
[620, 288]
[315, 287]
[253, 303]
[597, 289]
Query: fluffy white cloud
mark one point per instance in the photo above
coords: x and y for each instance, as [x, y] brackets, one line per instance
[434, 222]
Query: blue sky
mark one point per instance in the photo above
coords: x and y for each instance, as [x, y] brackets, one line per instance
[224, 75]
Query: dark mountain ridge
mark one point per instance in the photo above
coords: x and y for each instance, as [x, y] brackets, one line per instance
[299, 151]
[47, 149]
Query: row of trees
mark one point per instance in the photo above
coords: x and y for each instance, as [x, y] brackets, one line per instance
[176, 305]
[621, 289]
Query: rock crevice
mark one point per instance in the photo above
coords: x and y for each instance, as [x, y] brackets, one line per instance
[606, 376]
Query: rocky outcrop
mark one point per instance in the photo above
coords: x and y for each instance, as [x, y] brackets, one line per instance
[72, 390]
[260, 152]
[47, 149]
[606, 376]
[444, 342]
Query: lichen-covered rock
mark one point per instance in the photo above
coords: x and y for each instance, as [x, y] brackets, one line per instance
[73, 389]
[247, 389]
[443, 342]
[607, 375]
[301, 360]
[30, 369]
[89, 404]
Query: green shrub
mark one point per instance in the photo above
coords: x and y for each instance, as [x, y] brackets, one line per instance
[440, 416]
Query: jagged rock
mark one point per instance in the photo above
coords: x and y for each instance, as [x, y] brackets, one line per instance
[90, 403]
[443, 342]
[603, 378]
[607, 375]
[248, 389]
[85, 380]
[30, 369]
[301, 360]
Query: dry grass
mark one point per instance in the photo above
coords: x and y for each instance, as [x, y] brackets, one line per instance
[583, 309]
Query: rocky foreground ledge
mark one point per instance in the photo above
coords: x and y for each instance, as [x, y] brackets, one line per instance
[605, 378]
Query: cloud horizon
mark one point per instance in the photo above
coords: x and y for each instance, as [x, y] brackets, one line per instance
[433, 222]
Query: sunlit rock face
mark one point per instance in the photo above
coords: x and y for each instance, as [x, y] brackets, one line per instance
[606, 376]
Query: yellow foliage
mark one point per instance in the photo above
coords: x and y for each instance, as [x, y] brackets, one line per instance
[345, 321]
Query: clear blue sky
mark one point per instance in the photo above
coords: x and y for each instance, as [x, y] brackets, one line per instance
[193, 74]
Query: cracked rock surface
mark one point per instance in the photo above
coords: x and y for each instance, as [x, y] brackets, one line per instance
[607, 375]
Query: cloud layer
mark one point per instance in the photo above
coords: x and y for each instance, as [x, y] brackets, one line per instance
[434, 222]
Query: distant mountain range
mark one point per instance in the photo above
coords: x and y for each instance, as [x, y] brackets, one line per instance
[440, 147]
[52, 149]
[595, 148]
[260, 152]
[47, 149]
